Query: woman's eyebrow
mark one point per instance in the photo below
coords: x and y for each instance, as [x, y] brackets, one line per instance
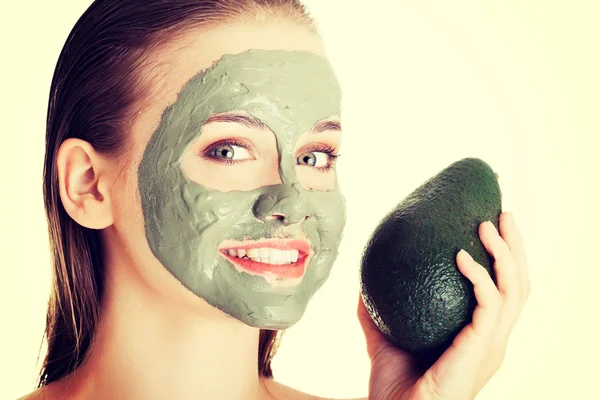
[323, 126]
[254, 123]
[246, 120]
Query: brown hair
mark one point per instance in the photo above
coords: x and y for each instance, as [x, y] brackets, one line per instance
[96, 93]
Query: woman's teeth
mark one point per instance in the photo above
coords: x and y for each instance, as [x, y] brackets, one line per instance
[265, 255]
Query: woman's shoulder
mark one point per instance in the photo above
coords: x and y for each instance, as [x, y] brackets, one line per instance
[47, 392]
[281, 391]
[276, 389]
[39, 394]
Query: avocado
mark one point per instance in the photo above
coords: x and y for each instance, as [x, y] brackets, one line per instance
[409, 278]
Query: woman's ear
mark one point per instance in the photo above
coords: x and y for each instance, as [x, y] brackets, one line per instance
[83, 183]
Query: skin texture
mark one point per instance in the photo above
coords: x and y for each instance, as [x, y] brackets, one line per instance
[186, 222]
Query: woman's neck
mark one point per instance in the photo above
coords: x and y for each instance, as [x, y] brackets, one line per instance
[147, 346]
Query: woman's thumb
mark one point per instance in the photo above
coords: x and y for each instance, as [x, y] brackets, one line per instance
[376, 341]
[378, 345]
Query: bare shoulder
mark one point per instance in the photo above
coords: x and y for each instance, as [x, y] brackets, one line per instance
[280, 391]
[47, 392]
[39, 394]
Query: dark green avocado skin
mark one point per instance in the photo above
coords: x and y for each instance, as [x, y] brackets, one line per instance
[410, 281]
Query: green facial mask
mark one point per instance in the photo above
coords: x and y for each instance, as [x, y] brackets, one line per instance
[185, 222]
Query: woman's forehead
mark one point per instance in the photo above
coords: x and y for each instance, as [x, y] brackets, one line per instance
[287, 91]
[180, 61]
[201, 49]
[265, 78]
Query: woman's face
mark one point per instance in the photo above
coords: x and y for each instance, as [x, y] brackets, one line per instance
[234, 170]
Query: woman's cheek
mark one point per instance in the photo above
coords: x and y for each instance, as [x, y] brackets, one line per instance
[243, 176]
[311, 178]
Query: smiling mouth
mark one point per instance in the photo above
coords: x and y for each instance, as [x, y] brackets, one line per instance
[274, 258]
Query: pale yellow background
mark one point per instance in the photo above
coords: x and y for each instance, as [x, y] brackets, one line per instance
[425, 84]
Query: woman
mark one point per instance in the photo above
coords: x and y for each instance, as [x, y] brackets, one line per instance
[194, 209]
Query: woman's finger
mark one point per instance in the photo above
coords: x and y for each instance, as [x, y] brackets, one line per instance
[514, 240]
[504, 265]
[489, 300]
[512, 237]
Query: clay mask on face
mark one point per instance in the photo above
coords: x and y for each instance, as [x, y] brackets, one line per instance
[186, 223]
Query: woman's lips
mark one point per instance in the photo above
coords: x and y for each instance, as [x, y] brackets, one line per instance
[284, 258]
[295, 270]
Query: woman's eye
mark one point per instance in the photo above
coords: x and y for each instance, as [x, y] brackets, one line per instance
[229, 152]
[314, 159]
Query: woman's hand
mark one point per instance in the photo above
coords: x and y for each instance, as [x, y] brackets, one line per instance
[478, 350]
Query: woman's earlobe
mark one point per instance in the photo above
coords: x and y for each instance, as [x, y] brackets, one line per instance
[82, 182]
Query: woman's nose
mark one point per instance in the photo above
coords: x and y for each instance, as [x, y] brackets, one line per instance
[277, 216]
[283, 203]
